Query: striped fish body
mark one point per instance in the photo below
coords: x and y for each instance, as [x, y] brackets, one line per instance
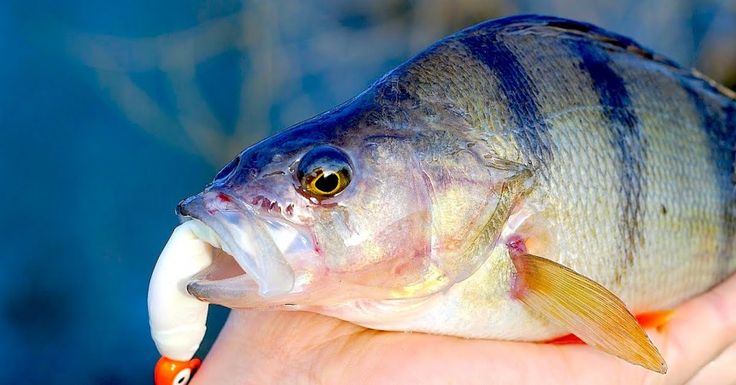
[631, 157]
[522, 179]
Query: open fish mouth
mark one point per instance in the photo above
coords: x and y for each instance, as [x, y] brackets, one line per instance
[225, 254]
[248, 252]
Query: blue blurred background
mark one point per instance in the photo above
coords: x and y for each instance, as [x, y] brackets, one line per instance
[112, 111]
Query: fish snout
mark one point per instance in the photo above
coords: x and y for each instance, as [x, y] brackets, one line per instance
[190, 207]
[182, 210]
[208, 203]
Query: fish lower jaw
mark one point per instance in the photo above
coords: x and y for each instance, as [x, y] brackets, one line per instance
[226, 280]
[244, 252]
[224, 273]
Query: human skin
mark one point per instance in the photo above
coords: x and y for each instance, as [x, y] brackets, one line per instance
[278, 347]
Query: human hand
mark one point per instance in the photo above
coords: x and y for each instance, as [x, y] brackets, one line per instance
[277, 347]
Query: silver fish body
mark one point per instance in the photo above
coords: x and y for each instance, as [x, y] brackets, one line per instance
[403, 208]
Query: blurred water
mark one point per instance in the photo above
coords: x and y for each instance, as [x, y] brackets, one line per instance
[110, 112]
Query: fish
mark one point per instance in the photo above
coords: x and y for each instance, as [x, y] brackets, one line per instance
[523, 179]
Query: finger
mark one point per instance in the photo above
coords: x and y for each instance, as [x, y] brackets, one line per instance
[700, 330]
[426, 359]
[720, 371]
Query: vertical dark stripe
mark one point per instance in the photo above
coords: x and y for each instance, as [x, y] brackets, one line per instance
[720, 128]
[729, 188]
[628, 139]
[530, 130]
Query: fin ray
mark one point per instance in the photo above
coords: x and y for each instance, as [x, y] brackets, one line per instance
[585, 308]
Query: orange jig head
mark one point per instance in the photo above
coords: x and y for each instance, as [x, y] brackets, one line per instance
[172, 372]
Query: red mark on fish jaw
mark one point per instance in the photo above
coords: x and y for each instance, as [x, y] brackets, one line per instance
[220, 202]
[223, 198]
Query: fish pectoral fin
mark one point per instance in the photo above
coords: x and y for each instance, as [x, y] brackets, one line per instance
[585, 309]
[656, 319]
[651, 320]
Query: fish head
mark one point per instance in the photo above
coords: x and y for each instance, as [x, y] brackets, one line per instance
[370, 201]
[332, 209]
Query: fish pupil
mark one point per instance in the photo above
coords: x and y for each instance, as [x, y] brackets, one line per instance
[327, 182]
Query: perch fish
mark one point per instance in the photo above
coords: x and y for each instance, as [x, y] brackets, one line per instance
[522, 179]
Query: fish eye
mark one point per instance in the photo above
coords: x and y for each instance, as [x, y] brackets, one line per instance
[182, 378]
[324, 172]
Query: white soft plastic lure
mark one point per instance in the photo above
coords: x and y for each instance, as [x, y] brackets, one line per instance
[177, 319]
